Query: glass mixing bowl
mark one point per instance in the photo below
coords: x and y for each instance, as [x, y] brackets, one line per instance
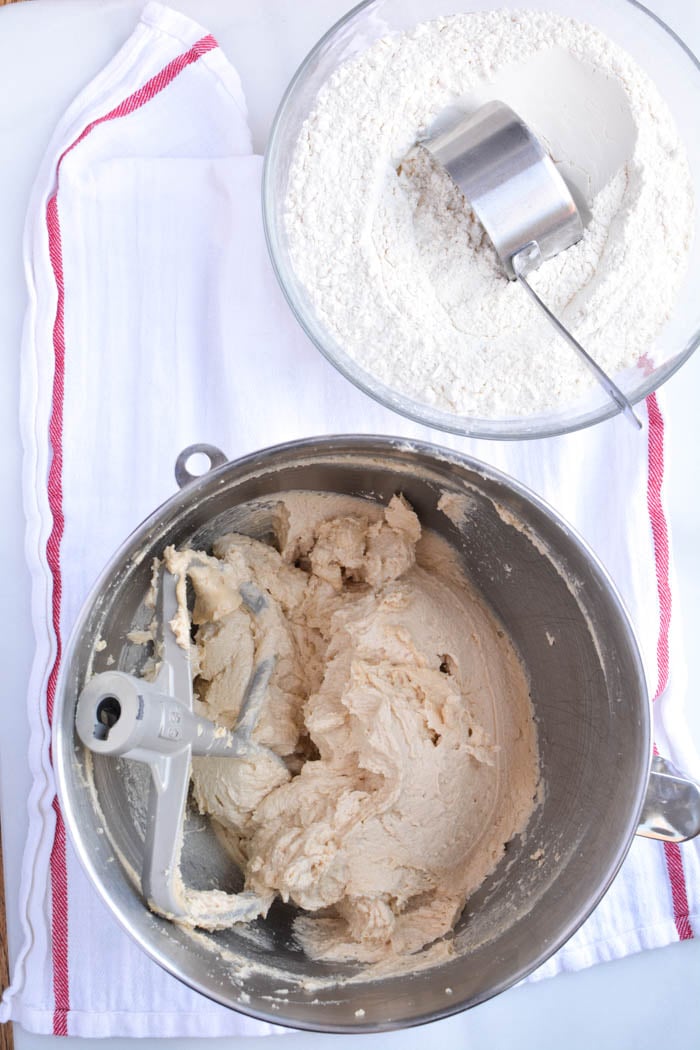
[653, 45]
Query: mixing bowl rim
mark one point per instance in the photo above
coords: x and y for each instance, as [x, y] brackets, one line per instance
[263, 460]
[408, 407]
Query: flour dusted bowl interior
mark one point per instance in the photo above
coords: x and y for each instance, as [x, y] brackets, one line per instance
[386, 362]
[588, 696]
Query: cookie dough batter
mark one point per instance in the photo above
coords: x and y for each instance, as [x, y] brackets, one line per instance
[398, 704]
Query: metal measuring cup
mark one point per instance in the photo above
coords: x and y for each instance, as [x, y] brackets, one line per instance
[521, 201]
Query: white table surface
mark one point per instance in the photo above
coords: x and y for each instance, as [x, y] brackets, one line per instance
[49, 49]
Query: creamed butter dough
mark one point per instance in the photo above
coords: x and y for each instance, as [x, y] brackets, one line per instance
[401, 710]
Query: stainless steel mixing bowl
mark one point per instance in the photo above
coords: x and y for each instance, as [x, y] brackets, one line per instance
[658, 51]
[588, 692]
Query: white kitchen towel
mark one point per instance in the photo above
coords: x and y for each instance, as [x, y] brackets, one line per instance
[154, 321]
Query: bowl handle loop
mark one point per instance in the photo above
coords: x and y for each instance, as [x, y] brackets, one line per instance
[672, 807]
[183, 476]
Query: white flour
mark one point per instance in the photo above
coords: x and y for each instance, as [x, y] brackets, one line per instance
[400, 271]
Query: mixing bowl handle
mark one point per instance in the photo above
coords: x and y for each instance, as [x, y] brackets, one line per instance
[672, 807]
[183, 476]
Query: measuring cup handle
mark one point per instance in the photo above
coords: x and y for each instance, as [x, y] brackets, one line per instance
[521, 263]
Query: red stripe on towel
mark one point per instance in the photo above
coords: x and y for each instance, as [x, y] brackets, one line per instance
[659, 530]
[58, 866]
[148, 91]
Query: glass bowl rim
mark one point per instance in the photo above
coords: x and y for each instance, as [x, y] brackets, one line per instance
[515, 429]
